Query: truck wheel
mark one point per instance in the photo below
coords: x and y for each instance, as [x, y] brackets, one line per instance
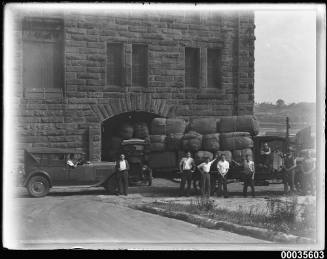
[38, 186]
[111, 185]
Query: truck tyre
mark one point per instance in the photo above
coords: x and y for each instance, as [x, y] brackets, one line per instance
[111, 185]
[38, 186]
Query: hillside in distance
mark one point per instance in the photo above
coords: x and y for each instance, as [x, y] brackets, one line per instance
[272, 117]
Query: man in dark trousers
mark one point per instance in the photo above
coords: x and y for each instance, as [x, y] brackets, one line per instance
[223, 167]
[249, 171]
[186, 167]
[122, 168]
[289, 172]
[214, 174]
[205, 177]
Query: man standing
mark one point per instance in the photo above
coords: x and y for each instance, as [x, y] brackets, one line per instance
[122, 168]
[289, 172]
[205, 177]
[223, 167]
[186, 167]
[147, 174]
[265, 154]
[308, 168]
[249, 171]
[214, 174]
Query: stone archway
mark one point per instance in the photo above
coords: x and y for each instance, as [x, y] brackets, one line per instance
[111, 131]
[130, 102]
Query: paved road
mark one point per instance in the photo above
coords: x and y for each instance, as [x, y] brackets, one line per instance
[94, 220]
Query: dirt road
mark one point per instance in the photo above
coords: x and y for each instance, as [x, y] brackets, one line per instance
[91, 219]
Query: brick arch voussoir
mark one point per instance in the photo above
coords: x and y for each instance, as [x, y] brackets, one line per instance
[131, 103]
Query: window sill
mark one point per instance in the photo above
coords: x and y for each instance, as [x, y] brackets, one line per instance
[43, 93]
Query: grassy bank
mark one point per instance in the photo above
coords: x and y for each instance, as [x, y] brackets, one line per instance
[289, 217]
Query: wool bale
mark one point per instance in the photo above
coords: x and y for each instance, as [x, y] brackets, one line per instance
[210, 142]
[235, 134]
[141, 130]
[157, 138]
[174, 141]
[157, 142]
[192, 141]
[157, 146]
[235, 140]
[204, 125]
[163, 126]
[227, 153]
[245, 123]
[240, 154]
[201, 156]
[158, 160]
[126, 131]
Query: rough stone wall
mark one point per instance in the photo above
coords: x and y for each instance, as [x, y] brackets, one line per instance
[63, 117]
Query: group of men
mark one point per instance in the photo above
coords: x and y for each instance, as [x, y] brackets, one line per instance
[295, 176]
[211, 172]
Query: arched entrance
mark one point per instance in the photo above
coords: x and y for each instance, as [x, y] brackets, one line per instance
[111, 131]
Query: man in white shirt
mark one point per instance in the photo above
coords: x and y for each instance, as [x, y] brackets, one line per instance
[223, 167]
[186, 167]
[249, 171]
[205, 177]
[122, 168]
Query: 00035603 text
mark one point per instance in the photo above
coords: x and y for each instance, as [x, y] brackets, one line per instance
[303, 254]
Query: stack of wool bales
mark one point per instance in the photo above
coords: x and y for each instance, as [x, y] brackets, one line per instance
[165, 140]
[231, 136]
[158, 143]
[141, 131]
[126, 131]
[236, 135]
[206, 138]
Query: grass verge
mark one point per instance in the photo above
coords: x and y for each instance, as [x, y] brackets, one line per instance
[289, 217]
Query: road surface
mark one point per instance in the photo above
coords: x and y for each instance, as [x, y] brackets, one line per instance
[93, 219]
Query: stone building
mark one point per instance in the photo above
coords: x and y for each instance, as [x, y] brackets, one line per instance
[78, 72]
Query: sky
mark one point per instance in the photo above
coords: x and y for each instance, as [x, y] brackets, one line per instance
[285, 56]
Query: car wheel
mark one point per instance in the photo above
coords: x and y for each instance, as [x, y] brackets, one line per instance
[111, 185]
[38, 186]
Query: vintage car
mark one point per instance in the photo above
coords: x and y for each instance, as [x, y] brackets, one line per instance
[47, 167]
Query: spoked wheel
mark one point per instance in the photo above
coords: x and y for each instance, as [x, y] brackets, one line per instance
[111, 185]
[38, 186]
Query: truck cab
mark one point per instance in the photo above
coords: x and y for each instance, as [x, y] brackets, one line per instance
[265, 169]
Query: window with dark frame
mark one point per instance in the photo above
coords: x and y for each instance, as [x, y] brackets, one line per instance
[43, 65]
[139, 65]
[192, 67]
[213, 68]
[115, 64]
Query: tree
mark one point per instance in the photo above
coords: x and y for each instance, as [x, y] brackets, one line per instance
[280, 103]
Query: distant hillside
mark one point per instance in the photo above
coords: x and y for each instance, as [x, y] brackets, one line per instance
[272, 117]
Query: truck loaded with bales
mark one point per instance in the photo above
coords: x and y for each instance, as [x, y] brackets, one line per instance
[165, 140]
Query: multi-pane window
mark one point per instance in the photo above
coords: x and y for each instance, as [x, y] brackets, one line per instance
[115, 64]
[139, 65]
[42, 53]
[213, 68]
[192, 67]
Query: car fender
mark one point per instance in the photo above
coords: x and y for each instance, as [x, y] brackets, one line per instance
[104, 180]
[38, 172]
